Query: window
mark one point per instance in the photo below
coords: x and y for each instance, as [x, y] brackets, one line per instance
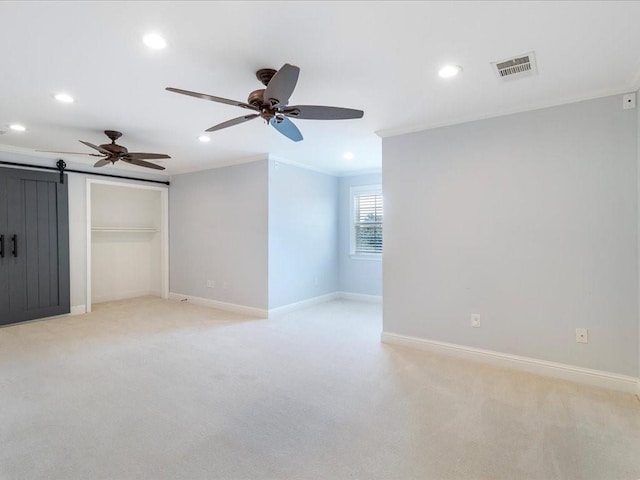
[366, 221]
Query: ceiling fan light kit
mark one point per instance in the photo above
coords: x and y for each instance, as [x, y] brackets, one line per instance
[272, 104]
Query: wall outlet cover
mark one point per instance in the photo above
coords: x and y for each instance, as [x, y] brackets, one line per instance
[582, 335]
[475, 320]
[629, 101]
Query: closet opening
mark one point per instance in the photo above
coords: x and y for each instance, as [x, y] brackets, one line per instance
[127, 241]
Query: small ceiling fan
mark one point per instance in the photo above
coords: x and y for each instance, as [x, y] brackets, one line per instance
[112, 152]
[272, 104]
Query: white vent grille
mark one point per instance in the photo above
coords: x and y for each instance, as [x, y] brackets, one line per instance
[516, 67]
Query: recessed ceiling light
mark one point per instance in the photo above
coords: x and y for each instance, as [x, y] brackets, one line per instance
[64, 98]
[204, 138]
[17, 127]
[449, 71]
[155, 41]
[348, 155]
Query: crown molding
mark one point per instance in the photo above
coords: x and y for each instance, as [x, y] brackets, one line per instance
[394, 132]
[223, 164]
[304, 166]
[364, 171]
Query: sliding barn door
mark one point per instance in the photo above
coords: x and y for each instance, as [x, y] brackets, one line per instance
[38, 247]
[4, 260]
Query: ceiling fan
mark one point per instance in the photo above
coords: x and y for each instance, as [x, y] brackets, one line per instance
[112, 152]
[272, 104]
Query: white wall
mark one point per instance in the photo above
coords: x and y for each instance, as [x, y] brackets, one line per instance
[362, 276]
[125, 264]
[303, 231]
[531, 221]
[218, 231]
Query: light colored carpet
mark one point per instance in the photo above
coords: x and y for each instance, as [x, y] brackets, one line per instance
[153, 389]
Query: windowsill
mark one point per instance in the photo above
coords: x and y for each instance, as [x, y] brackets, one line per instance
[363, 256]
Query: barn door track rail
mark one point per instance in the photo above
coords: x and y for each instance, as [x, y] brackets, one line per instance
[61, 167]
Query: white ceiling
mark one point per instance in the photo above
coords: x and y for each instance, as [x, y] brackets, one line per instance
[381, 57]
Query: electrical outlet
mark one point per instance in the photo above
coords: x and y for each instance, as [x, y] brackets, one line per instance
[629, 101]
[475, 320]
[582, 335]
[211, 284]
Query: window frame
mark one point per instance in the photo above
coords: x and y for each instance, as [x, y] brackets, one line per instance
[353, 193]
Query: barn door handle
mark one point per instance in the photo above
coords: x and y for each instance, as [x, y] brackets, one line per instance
[1, 246]
[14, 245]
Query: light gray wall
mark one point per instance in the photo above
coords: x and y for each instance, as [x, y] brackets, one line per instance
[638, 168]
[218, 231]
[529, 220]
[356, 275]
[303, 232]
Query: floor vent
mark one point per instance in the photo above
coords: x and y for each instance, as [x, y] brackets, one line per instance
[516, 67]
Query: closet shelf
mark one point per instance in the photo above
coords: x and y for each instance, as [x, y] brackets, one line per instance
[124, 229]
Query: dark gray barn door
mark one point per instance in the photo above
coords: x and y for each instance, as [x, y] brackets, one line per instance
[38, 248]
[4, 261]
[15, 251]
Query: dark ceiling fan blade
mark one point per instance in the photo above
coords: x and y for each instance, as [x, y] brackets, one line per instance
[319, 112]
[142, 163]
[281, 86]
[145, 156]
[71, 153]
[204, 96]
[235, 121]
[95, 147]
[102, 163]
[287, 128]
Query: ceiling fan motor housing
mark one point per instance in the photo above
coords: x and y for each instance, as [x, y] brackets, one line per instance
[256, 98]
[115, 149]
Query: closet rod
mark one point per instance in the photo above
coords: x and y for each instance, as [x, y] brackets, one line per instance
[62, 169]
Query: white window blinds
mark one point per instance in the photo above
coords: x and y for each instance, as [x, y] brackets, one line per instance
[368, 223]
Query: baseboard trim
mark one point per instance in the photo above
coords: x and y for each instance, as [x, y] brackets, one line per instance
[124, 296]
[78, 310]
[360, 297]
[586, 376]
[227, 307]
[273, 312]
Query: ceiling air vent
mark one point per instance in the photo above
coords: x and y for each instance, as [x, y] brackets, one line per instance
[516, 67]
